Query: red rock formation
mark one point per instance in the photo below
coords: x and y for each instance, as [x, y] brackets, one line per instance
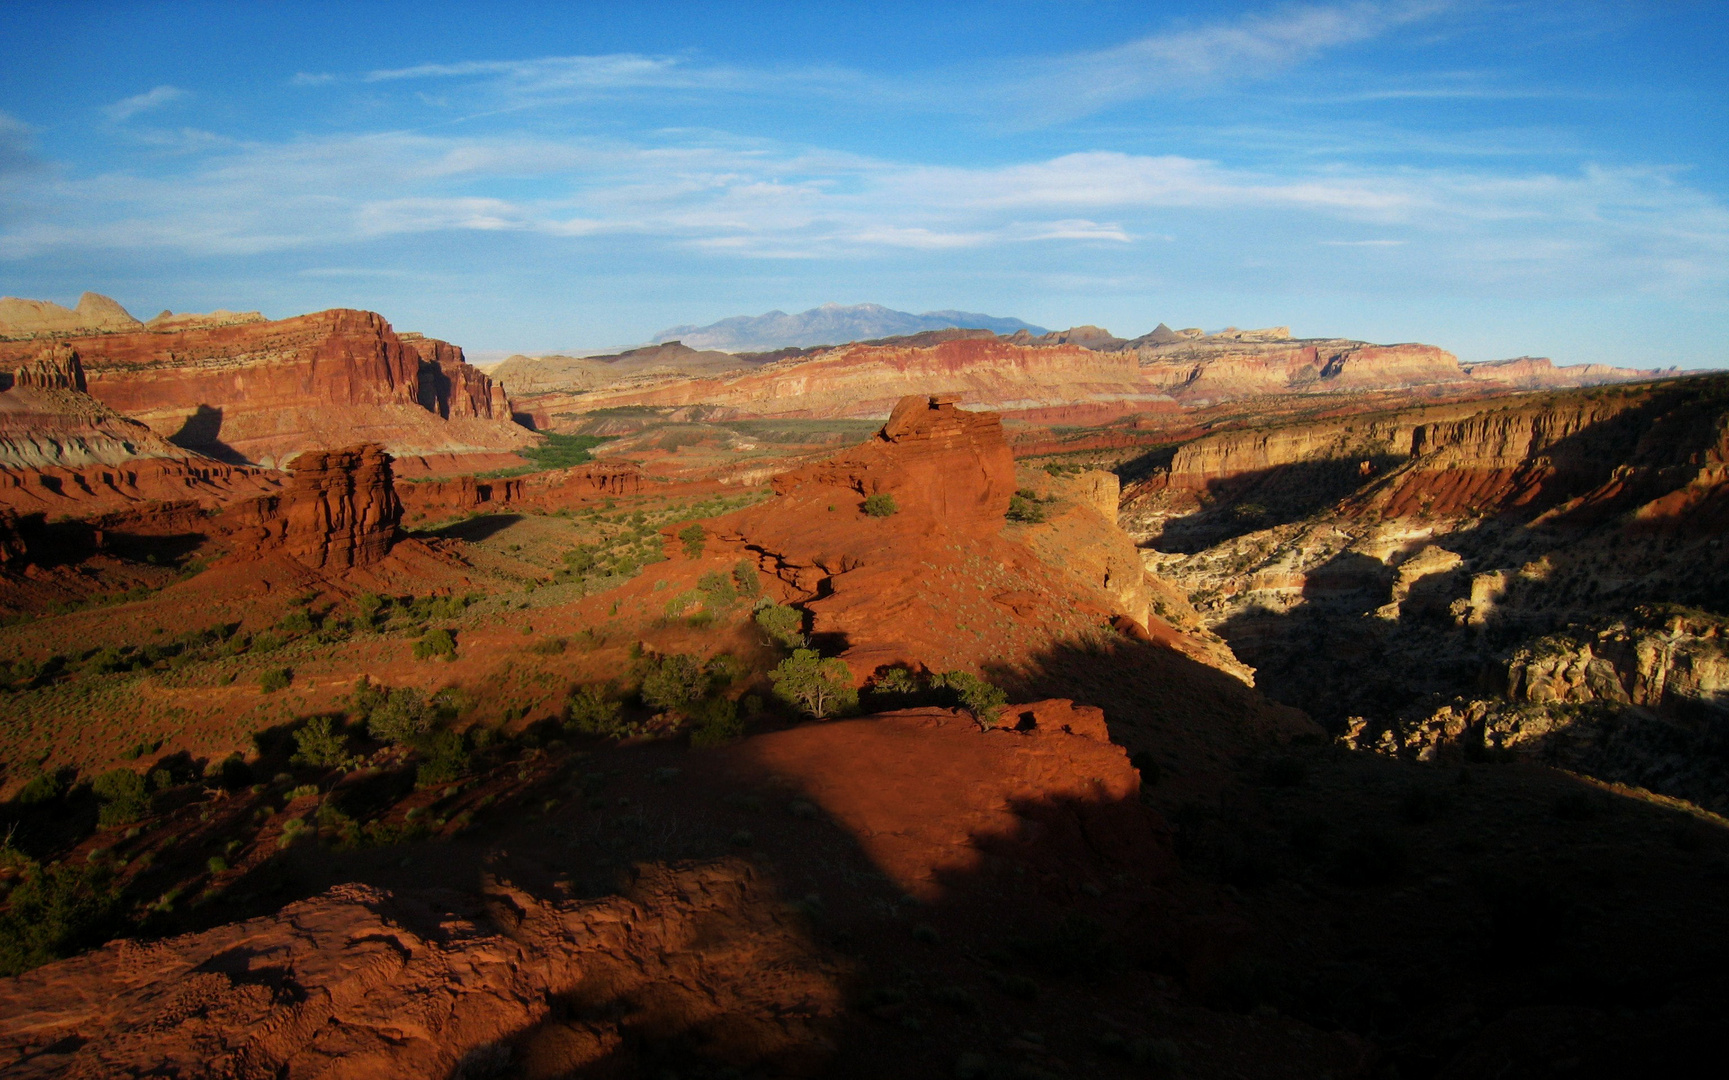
[867, 380]
[363, 983]
[265, 391]
[339, 510]
[931, 797]
[450, 387]
[546, 491]
[54, 367]
[48, 421]
[935, 583]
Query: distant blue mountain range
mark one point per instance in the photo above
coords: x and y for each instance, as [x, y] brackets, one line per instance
[831, 324]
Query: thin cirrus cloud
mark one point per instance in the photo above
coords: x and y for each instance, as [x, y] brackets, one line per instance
[1201, 58]
[1037, 91]
[126, 108]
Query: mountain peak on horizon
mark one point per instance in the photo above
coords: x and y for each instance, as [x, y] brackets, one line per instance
[830, 324]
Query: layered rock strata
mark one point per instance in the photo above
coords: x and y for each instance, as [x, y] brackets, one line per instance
[1053, 384]
[338, 511]
[263, 392]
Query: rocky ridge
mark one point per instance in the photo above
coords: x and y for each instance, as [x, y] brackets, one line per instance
[261, 392]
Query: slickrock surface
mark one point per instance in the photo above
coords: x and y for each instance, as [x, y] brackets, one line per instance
[362, 983]
[262, 392]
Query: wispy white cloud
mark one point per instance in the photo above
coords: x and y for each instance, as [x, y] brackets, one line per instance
[1201, 57]
[127, 108]
[1628, 228]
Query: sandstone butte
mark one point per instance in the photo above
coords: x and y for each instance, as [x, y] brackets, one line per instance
[429, 981]
[1073, 377]
[255, 392]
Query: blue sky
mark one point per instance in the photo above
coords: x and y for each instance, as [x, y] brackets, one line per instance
[1498, 178]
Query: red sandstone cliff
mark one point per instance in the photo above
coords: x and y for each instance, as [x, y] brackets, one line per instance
[265, 391]
[1063, 383]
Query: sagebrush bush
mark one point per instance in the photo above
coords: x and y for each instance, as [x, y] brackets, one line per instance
[880, 505]
[275, 679]
[693, 537]
[433, 643]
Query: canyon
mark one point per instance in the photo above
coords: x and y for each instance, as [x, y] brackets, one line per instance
[960, 704]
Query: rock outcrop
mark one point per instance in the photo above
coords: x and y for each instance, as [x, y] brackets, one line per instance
[548, 491]
[47, 420]
[361, 982]
[263, 392]
[338, 511]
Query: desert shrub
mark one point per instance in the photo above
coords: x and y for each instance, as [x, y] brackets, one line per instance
[975, 695]
[435, 643]
[717, 591]
[674, 682]
[401, 715]
[296, 622]
[590, 712]
[1025, 510]
[895, 686]
[813, 685]
[54, 912]
[783, 624]
[880, 505]
[444, 758]
[122, 795]
[693, 537]
[549, 646]
[723, 669]
[320, 742]
[275, 679]
[368, 605]
[679, 604]
[717, 723]
[265, 642]
[580, 559]
[747, 578]
[41, 788]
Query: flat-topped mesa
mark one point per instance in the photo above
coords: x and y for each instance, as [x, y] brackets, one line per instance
[54, 367]
[939, 463]
[339, 511]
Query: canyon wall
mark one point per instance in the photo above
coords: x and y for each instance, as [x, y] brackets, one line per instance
[262, 392]
[1055, 384]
